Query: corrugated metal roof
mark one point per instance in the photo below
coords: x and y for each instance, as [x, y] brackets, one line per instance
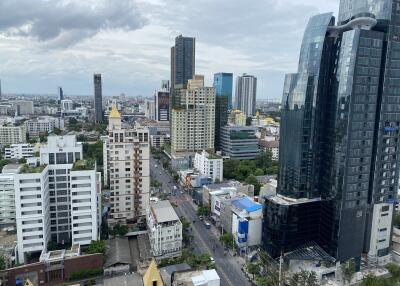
[246, 204]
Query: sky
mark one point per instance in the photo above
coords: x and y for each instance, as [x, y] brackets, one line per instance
[49, 43]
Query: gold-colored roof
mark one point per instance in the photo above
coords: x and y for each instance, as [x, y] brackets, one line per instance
[114, 112]
[152, 275]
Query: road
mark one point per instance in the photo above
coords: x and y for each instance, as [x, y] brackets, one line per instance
[228, 267]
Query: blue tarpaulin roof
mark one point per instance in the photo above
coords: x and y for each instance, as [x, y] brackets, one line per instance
[246, 204]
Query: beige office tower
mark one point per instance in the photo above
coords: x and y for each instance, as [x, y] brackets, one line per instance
[193, 122]
[127, 166]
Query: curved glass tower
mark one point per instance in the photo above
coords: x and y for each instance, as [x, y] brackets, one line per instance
[339, 147]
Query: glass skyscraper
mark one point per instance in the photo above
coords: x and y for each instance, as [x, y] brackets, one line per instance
[338, 173]
[98, 98]
[223, 102]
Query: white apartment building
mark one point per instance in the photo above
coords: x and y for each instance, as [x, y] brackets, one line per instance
[209, 165]
[85, 206]
[150, 109]
[7, 195]
[165, 230]
[193, 123]
[43, 125]
[19, 151]
[380, 235]
[67, 104]
[127, 166]
[12, 135]
[32, 207]
[72, 189]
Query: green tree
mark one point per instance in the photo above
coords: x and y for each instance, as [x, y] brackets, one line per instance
[94, 151]
[264, 160]
[348, 270]
[227, 239]
[97, 246]
[203, 211]
[265, 281]
[22, 161]
[252, 180]
[3, 262]
[249, 121]
[394, 270]
[372, 280]
[304, 278]
[57, 131]
[119, 229]
[229, 168]
[253, 268]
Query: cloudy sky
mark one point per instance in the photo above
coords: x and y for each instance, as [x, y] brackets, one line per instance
[50, 43]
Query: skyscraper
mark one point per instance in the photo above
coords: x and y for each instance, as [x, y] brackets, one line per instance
[98, 98]
[338, 173]
[223, 102]
[223, 86]
[60, 94]
[245, 94]
[182, 64]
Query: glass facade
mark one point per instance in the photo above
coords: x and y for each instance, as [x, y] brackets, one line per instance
[340, 125]
[223, 86]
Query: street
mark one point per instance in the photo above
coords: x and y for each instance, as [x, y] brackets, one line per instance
[228, 267]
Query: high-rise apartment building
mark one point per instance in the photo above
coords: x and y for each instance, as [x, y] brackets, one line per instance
[98, 98]
[246, 94]
[182, 65]
[223, 102]
[7, 194]
[12, 135]
[127, 166]
[59, 200]
[150, 109]
[338, 173]
[193, 123]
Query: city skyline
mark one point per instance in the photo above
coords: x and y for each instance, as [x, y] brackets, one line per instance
[133, 53]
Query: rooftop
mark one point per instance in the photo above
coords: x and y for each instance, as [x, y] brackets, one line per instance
[246, 204]
[197, 277]
[163, 212]
[282, 200]
[132, 279]
[84, 165]
[26, 169]
[11, 169]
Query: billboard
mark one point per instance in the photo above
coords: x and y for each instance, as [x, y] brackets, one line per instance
[162, 106]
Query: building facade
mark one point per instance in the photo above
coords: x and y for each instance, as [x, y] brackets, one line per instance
[98, 98]
[223, 86]
[182, 60]
[7, 194]
[193, 122]
[339, 129]
[209, 165]
[239, 143]
[19, 151]
[165, 230]
[162, 105]
[127, 168]
[12, 135]
[246, 94]
[43, 125]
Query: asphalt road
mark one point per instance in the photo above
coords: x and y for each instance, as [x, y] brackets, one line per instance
[205, 241]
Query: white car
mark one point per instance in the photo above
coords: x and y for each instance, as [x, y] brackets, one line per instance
[212, 260]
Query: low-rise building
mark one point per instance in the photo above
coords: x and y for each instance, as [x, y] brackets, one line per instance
[239, 143]
[246, 222]
[270, 146]
[19, 151]
[43, 125]
[165, 230]
[209, 165]
[197, 278]
[158, 140]
[12, 135]
[227, 187]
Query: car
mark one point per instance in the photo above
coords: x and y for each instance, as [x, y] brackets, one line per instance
[212, 260]
[207, 225]
[201, 217]
[160, 173]
[155, 166]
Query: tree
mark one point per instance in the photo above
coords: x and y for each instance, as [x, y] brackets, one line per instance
[304, 278]
[97, 246]
[252, 180]
[229, 168]
[57, 131]
[120, 230]
[94, 151]
[348, 270]
[249, 121]
[3, 262]
[253, 268]
[227, 239]
[264, 160]
[203, 211]
[372, 280]
[265, 281]
[22, 161]
[394, 270]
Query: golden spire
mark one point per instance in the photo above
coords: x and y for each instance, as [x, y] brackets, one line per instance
[114, 112]
[152, 275]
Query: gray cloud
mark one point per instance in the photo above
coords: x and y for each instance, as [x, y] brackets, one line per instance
[60, 23]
